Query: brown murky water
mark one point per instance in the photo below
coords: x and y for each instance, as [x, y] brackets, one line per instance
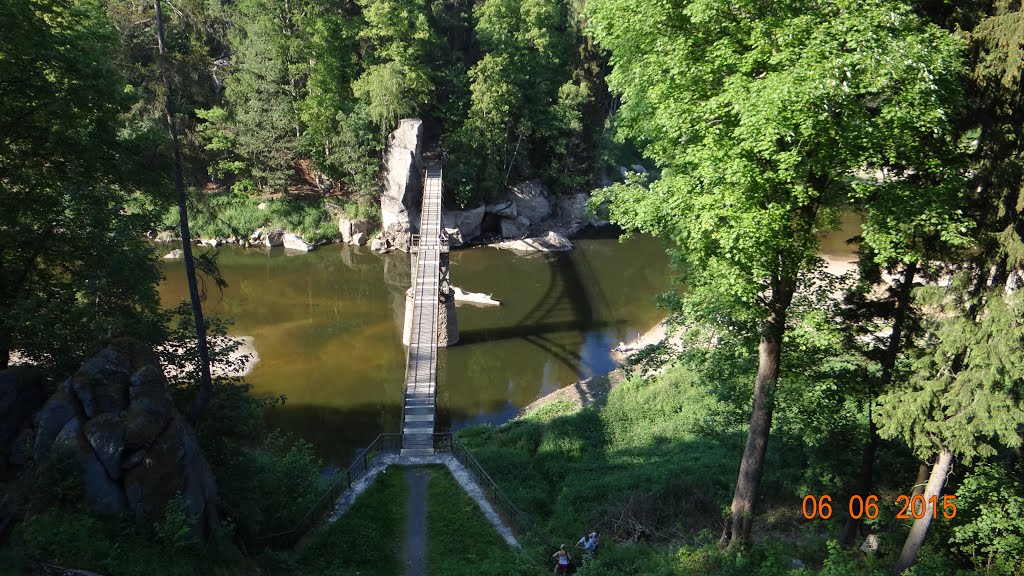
[328, 327]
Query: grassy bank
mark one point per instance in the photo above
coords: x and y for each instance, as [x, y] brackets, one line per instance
[367, 540]
[460, 540]
[653, 470]
[225, 214]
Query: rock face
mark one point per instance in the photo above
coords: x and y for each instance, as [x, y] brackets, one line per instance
[116, 420]
[514, 228]
[532, 200]
[21, 395]
[403, 167]
[350, 228]
[506, 208]
[467, 222]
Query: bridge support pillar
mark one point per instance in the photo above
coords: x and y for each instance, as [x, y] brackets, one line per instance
[447, 319]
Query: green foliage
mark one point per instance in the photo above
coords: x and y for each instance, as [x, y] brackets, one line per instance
[268, 488]
[223, 215]
[990, 514]
[526, 106]
[174, 530]
[965, 390]
[759, 120]
[74, 267]
[54, 481]
[72, 537]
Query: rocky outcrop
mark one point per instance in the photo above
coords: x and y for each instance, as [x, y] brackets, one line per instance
[176, 254]
[552, 242]
[514, 228]
[354, 231]
[467, 222]
[21, 395]
[532, 200]
[295, 242]
[116, 421]
[505, 208]
[273, 238]
[403, 165]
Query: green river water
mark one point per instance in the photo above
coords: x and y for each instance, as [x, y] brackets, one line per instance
[328, 326]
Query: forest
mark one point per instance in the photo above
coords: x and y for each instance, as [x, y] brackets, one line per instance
[766, 123]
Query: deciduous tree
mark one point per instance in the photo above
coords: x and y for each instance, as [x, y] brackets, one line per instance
[759, 113]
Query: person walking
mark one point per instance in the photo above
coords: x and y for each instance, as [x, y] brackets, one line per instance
[564, 559]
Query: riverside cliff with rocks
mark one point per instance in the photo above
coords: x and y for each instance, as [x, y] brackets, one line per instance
[526, 217]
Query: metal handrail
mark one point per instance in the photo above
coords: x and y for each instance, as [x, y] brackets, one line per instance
[392, 443]
[389, 442]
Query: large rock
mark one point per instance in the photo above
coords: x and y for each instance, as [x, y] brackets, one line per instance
[101, 384]
[21, 395]
[532, 200]
[403, 167]
[467, 222]
[506, 208]
[351, 227]
[295, 242]
[514, 228]
[56, 413]
[100, 492]
[105, 434]
[134, 451]
[273, 238]
[552, 242]
[454, 235]
[172, 465]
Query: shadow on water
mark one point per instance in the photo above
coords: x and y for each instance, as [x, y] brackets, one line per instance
[565, 306]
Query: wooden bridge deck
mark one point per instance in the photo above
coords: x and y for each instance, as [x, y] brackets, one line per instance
[421, 362]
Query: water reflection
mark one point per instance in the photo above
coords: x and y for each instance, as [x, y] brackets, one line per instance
[328, 326]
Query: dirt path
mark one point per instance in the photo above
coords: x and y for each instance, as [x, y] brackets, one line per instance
[414, 546]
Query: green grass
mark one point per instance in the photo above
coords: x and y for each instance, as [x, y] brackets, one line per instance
[460, 540]
[226, 214]
[657, 456]
[367, 540]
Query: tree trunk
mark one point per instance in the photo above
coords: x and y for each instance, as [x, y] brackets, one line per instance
[923, 470]
[852, 528]
[915, 539]
[202, 398]
[737, 527]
